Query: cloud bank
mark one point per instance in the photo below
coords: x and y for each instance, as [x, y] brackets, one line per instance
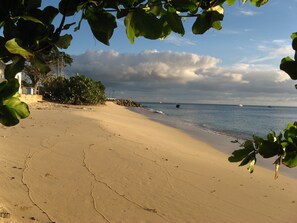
[183, 77]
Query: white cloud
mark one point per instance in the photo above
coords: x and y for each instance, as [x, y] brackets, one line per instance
[282, 76]
[235, 77]
[247, 12]
[179, 41]
[154, 75]
[149, 65]
[275, 52]
[269, 51]
[279, 41]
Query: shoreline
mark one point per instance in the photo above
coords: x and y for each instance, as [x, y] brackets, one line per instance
[219, 140]
[109, 164]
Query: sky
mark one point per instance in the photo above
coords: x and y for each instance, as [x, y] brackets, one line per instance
[236, 65]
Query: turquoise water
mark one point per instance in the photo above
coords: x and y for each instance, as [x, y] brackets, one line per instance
[232, 120]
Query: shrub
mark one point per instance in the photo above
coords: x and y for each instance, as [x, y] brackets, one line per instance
[77, 90]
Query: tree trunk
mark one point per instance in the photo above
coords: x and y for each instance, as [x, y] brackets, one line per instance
[35, 86]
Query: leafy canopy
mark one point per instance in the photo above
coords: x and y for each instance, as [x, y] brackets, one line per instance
[77, 90]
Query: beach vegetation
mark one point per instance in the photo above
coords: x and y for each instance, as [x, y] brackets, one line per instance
[76, 90]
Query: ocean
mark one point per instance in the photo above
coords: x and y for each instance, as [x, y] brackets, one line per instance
[218, 125]
[238, 121]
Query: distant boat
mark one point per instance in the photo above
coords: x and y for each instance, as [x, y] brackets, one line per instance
[240, 105]
[177, 106]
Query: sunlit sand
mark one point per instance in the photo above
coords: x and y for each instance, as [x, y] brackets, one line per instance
[108, 164]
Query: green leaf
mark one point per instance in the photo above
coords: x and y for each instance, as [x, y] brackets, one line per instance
[175, 23]
[269, 149]
[8, 88]
[19, 108]
[259, 2]
[13, 47]
[241, 154]
[290, 132]
[284, 144]
[185, 5]
[290, 159]
[4, 53]
[139, 23]
[64, 41]
[13, 111]
[129, 29]
[208, 19]
[146, 25]
[69, 7]
[10, 30]
[290, 67]
[7, 116]
[102, 24]
[257, 141]
[11, 108]
[15, 67]
[31, 18]
[202, 24]
[166, 30]
[217, 25]
[271, 136]
[247, 159]
[293, 36]
[122, 13]
[230, 2]
[155, 9]
[48, 14]
[248, 144]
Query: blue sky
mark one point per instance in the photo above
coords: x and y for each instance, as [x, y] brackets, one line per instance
[238, 64]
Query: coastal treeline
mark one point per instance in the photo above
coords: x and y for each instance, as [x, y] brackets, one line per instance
[77, 90]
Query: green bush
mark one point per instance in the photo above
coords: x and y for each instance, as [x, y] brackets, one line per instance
[77, 90]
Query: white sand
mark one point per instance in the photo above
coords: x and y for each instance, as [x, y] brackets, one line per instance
[108, 164]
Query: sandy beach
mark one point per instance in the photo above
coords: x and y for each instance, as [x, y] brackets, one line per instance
[107, 164]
